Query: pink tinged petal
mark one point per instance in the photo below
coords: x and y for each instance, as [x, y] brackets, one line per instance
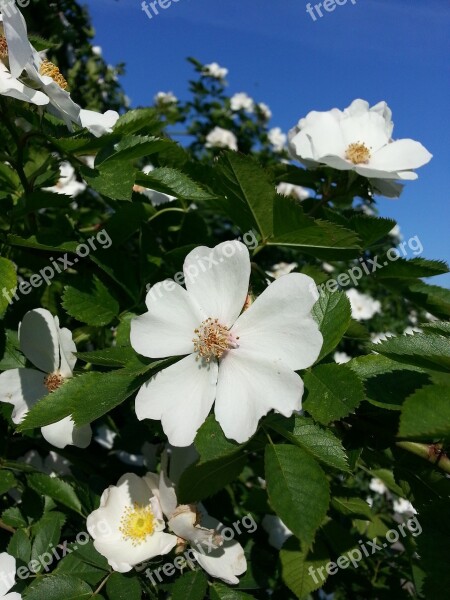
[22, 388]
[167, 329]
[217, 279]
[20, 49]
[401, 155]
[248, 388]
[278, 326]
[64, 433]
[181, 397]
[7, 571]
[39, 340]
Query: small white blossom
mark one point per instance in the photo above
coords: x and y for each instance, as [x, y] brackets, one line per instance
[242, 101]
[215, 70]
[68, 183]
[282, 268]
[401, 506]
[363, 306]
[377, 486]
[341, 358]
[265, 110]
[165, 98]
[221, 138]
[277, 530]
[277, 138]
[289, 189]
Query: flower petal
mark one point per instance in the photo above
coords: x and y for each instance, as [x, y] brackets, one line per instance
[279, 325]
[249, 387]
[217, 278]
[367, 127]
[167, 329]
[22, 388]
[401, 155]
[323, 130]
[11, 87]
[64, 433]
[67, 350]
[180, 396]
[98, 123]
[20, 51]
[39, 340]
[8, 572]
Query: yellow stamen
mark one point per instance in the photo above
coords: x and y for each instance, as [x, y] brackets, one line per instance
[358, 153]
[213, 339]
[3, 47]
[53, 381]
[137, 523]
[50, 70]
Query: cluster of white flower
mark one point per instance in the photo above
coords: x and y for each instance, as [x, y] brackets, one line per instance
[165, 98]
[242, 101]
[45, 85]
[221, 138]
[215, 71]
[363, 306]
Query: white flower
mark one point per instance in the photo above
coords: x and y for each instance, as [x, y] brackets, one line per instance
[97, 50]
[277, 138]
[221, 138]
[246, 363]
[376, 485]
[357, 139]
[128, 527]
[277, 530]
[363, 306]
[219, 557]
[51, 350]
[8, 577]
[156, 198]
[280, 269]
[403, 506]
[68, 183]
[215, 70]
[265, 110]
[242, 101]
[341, 358]
[395, 232]
[98, 123]
[328, 268]
[289, 189]
[165, 98]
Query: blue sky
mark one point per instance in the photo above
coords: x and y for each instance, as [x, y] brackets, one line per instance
[393, 50]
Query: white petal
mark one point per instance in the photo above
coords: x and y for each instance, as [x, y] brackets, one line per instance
[279, 325]
[336, 162]
[277, 530]
[323, 129]
[67, 350]
[167, 329]
[7, 571]
[401, 155]
[11, 87]
[183, 525]
[22, 388]
[217, 278]
[98, 123]
[225, 563]
[180, 396]
[12, 596]
[368, 128]
[64, 433]
[248, 388]
[19, 48]
[39, 340]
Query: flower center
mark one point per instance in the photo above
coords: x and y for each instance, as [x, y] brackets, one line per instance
[358, 153]
[213, 339]
[3, 47]
[53, 381]
[137, 523]
[50, 70]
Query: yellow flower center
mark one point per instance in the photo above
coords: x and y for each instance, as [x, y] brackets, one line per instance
[50, 70]
[358, 153]
[137, 523]
[213, 339]
[3, 47]
[53, 381]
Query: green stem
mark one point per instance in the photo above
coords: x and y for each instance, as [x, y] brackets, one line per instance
[432, 453]
[165, 210]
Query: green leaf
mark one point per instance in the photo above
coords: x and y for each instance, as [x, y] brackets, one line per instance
[132, 147]
[116, 356]
[199, 481]
[114, 179]
[90, 302]
[221, 592]
[410, 269]
[121, 587]
[211, 442]
[248, 192]
[430, 351]
[175, 183]
[300, 569]
[57, 587]
[7, 481]
[426, 414]
[13, 517]
[353, 507]
[333, 314]
[334, 391]
[47, 533]
[136, 120]
[12, 356]
[20, 546]
[191, 586]
[8, 278]
[371, 229]
[74, 566]
[321, 443]
[298, 490]
[55, 488]
[291, 227]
